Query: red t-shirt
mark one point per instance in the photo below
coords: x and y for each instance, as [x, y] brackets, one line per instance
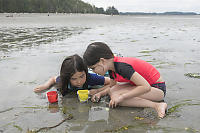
[126, 66]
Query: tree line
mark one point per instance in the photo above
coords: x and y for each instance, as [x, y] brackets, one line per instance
[52, 6]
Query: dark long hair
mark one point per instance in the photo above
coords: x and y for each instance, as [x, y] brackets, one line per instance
[70, 66]
[95, 51]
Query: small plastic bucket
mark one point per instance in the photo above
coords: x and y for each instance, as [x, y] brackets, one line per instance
[52, 96]
[83, 95]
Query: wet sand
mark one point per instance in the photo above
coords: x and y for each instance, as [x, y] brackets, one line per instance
[32, 47]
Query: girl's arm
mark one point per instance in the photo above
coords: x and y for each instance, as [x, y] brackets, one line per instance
[46, 85]
[107, 81]
[105, 91]
[95, 91]
[97, 96]
[142, 86]
[112, 82]
[98, 80]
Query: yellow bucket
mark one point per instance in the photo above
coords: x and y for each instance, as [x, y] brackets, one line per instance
[83, 95]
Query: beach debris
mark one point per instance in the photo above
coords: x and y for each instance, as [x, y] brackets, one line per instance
[107, 109]
[70, 116]
[193, 75]
[3, 57]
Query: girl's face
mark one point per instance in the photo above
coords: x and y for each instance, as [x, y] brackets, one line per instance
[99, 68]
[78, 79]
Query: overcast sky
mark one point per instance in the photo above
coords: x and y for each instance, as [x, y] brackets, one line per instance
[149, 5]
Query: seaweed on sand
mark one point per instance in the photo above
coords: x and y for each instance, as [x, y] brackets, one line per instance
[193, 75]
[2, 111]
[50, 127]
[120, 129]
[18, 127]
[175, 107]
[149, 51]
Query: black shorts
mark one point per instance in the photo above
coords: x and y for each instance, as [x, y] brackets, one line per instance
[161, 86]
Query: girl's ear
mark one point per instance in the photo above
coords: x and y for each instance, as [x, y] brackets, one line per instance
[102, 60]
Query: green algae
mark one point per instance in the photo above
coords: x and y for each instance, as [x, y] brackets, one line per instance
[163, 64]
[146, 55]
[2, 111]
[134, 40]
[36, 107]
[45, 129]
[149, 51]
[120, 129]
[188, 63]
[64, 110]
[18, 127]
[193, 75]
[172, 129]
[191, 130]
[138, 118]
[177, 106]
[28, 83]
[155, 128]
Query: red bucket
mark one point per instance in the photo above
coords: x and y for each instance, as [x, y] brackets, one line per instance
[52, 96]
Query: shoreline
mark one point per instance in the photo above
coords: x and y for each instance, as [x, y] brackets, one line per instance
[94, 14]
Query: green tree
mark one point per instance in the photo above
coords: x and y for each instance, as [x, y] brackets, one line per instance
[112, 11]
[43, 6]
[1, 6]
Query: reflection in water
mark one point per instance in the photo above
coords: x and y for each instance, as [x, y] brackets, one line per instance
[53, 107]
[12, 39]
[98, 113]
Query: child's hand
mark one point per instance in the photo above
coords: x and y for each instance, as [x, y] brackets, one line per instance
[115, 100]
[96, 97]
[40, 88]
[93, 91]
[37, 90]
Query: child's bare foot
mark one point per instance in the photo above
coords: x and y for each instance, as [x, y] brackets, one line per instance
[161, 108]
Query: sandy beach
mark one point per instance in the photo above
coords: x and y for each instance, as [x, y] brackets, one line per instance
[33, 46]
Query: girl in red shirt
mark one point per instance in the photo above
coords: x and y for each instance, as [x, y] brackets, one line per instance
[134, 82]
